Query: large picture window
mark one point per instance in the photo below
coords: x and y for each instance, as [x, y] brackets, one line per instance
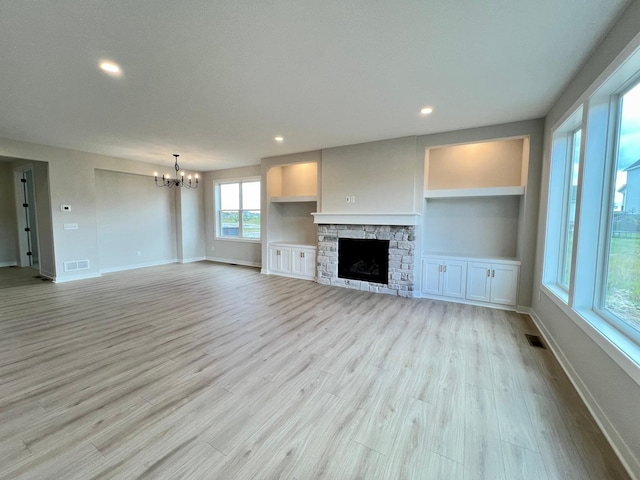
[622, 259]
[238, 210]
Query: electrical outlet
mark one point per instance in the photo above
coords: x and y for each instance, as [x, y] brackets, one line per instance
[347, 199]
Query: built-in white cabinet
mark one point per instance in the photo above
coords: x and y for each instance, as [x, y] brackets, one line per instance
[471, 279]
[492, 282]
[280, 259]
[442, 276]
[303, 261]
[292, 260]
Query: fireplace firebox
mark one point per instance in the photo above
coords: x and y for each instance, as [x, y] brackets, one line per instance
[363, 259]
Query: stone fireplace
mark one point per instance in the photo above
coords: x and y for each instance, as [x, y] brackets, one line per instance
[399, 258]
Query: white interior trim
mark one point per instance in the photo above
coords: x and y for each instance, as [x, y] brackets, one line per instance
[366, 218]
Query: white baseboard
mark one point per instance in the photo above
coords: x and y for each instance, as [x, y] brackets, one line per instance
[8, 264]
[191, 260]
[622, 450]
[233, 261]
[497, 306]
[137, 265]
[73, 278]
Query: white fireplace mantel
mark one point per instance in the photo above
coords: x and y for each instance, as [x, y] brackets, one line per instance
[366, 218]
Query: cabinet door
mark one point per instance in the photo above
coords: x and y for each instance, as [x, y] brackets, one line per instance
[504, 284]
[303, 261]
[478, 281]
[279, 259]
[431, 276]
[454, 278]
[310, 263]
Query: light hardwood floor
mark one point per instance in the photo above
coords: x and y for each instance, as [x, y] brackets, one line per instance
[217, 372]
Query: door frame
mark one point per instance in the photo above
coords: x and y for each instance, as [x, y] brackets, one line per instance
[23, 258]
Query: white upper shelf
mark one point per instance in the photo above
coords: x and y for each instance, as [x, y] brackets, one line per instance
[474, 192]
[295, 198]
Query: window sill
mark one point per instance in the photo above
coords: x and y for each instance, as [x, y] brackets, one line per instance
[234, 239]
[620, 348]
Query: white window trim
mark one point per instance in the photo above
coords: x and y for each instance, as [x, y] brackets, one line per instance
[216, 190]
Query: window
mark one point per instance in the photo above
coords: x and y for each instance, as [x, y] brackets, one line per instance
[569, 217]
[563, 195]
[622, 258]
[238, 210]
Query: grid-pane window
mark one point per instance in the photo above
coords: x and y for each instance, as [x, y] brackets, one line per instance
[622, 284]
[569, 217]
[239, 210]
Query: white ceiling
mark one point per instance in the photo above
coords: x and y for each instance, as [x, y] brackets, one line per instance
[216, 80]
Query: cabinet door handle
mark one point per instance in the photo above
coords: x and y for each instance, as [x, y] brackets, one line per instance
[488, 272]
[439, 268]
[444, 268]
[493, 273]
[277, 252]
[301, 254]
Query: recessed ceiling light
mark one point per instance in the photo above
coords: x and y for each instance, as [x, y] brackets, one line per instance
[110, 68]
[279, 138]
[426, 110]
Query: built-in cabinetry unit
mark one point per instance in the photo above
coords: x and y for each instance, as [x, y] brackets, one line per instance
[470, 279]
[474, 201]
[290, 234]
[443, 276]
[492, 282]
[292, 260]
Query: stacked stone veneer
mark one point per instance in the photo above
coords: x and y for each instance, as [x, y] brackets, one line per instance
[401, 256]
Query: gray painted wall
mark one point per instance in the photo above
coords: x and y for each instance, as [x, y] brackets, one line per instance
[8, 225]
[190, 224]
[611, 393]
[133, 215]
[380, 174]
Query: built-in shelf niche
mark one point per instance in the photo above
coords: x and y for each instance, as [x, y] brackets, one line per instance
[292, 197]
[483, 226]
[297, 182]
[492, 168]
[474, 196]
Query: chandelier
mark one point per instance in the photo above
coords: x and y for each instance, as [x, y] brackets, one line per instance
[179, 181]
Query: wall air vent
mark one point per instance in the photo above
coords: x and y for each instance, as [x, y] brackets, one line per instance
[74, 265]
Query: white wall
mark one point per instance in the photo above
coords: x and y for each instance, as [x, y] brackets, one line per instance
[611, 393]
[381, 175]
[133, 215]
[242, 252]
[8, 225]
